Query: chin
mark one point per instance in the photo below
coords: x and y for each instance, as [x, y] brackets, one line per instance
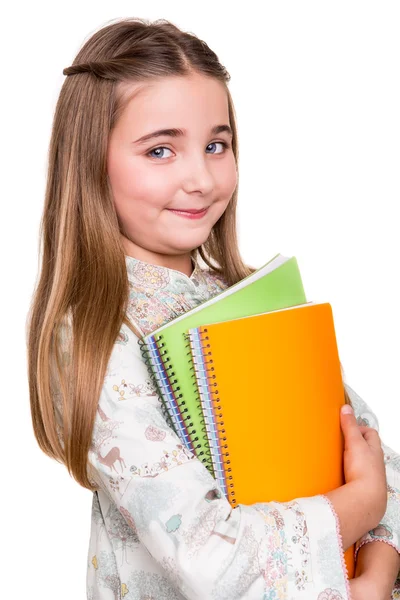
[189, 242]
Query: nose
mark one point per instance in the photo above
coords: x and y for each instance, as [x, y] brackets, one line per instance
[198, 176]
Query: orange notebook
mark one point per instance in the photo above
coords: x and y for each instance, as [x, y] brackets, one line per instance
[271, 389]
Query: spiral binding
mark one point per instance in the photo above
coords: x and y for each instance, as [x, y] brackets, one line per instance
[180, 418]
[203, 455]
[222, 468]
[152, 374]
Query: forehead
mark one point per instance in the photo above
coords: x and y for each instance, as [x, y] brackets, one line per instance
[170, 101]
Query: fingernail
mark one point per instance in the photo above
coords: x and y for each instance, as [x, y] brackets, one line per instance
[347, 409]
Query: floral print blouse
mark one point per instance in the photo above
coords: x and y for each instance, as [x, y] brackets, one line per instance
[161, 529]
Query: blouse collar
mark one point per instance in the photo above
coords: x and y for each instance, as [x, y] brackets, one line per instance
[156, 277]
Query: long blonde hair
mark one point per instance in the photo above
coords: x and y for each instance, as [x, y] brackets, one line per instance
[82, 291]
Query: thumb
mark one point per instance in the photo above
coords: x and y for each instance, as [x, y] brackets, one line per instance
[349, 425]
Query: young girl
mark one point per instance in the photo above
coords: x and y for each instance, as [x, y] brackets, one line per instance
[142, 191]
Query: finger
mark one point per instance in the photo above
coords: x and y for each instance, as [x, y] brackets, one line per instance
[365, 429]
[350, 427]
[372, 438]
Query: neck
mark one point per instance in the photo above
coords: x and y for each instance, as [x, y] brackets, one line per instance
[178, 262]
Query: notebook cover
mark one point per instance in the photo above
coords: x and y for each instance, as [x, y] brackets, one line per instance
[276, 389]
[169, 357]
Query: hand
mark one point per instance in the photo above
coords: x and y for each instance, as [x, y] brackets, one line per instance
[361, 502]
[363, 462]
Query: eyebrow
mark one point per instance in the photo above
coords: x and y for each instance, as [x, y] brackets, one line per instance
[180, 132]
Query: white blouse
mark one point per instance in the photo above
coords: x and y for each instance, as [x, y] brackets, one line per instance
[161, 527]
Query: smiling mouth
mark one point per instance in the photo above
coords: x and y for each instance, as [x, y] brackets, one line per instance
[192, 211]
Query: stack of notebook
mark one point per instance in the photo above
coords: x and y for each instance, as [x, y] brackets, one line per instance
[167, 351]
[252, 383]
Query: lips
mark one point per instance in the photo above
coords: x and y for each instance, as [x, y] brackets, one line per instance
[192, 211]
[189, 213]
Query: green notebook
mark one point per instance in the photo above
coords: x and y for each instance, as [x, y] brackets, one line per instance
[167, 351]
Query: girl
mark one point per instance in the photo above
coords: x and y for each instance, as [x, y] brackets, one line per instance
[142, 187]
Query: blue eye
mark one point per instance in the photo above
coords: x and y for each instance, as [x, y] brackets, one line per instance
[223, 144]
[155, 150]
[162, 148]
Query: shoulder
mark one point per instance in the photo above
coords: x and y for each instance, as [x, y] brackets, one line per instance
[127, 342]
[215, 278]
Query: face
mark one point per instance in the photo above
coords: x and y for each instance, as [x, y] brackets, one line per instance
[153, 179]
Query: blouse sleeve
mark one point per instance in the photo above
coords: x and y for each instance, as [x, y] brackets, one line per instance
[388, 529]
[166, 495]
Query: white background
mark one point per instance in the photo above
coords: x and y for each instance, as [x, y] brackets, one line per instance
[317, 94]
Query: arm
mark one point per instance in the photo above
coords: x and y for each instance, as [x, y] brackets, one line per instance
[290, 549]
[379, 564]
[388, 531]
[353, 512]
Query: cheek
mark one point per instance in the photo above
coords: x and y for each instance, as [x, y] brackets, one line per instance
[228, 180]
[227, 183]
[135, 186]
